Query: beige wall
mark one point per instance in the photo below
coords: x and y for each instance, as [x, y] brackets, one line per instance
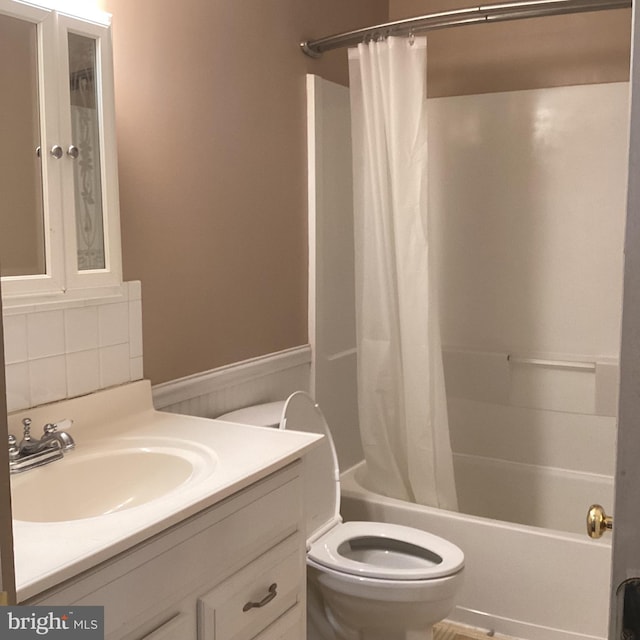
[210, 103]
[210, 100]
[524, 54]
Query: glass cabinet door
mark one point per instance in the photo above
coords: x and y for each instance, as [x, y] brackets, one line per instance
[92, 237]
[84, 150]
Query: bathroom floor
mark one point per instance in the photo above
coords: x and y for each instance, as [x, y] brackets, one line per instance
[450, 631]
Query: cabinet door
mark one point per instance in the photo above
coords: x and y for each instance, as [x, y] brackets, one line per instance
[180, 627]
[88, 139]
[30, 175]
[291, 626]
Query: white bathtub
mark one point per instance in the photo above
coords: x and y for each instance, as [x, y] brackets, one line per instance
[521, 580]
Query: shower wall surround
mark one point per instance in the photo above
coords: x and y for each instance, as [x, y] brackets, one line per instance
[57, 350]
[528, 191]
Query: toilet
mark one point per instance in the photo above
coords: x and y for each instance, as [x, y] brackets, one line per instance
[375, 580]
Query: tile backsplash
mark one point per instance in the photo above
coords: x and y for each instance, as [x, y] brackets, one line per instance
[66, 349]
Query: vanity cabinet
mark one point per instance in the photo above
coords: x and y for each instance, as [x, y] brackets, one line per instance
[210, 577]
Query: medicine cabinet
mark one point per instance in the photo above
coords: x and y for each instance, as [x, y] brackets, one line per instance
[59, 212]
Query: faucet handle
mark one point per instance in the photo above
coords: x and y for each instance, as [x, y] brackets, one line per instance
[26, 425]
[14, 450]
[52, 427]
[51, 433]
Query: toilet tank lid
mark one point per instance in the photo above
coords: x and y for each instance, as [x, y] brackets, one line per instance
[269, 414]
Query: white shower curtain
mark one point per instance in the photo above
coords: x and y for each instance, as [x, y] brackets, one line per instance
[401, 394]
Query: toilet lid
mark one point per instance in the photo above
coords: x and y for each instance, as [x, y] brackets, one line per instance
[387, 551]
[321, 475]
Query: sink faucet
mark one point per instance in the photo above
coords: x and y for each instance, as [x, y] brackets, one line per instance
[31, 452]
[51, 434]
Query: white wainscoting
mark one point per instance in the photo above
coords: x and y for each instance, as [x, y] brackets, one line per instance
[212, 393]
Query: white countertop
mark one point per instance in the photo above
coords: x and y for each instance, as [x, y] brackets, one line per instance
[46, 553]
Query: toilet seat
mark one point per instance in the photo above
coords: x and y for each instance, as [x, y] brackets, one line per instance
[366, 549]
[386, 551]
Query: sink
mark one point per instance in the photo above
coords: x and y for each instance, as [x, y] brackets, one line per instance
[135, 472]
[106, 480]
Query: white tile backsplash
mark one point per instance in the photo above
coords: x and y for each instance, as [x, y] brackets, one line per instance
[18, 391]
[113, 323]
[45, 334]
[114, 365]
[135, 328]
[63, 350]
[81, 329]
[136, 370]
[83, 372]
[48, 379]
[15, 339]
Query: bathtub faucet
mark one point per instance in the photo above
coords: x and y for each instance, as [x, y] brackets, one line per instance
[31, 452]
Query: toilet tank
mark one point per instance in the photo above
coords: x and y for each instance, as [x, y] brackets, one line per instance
[268, 414]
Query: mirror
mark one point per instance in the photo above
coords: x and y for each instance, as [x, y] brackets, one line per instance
[22, 243]
[86, 141]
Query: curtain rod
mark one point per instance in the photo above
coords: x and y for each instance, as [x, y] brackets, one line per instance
[482, 14]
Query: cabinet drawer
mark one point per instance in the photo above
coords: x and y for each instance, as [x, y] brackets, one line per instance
[290, 626]
[226, 613]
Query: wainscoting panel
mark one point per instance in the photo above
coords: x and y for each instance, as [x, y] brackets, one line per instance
[212, 393]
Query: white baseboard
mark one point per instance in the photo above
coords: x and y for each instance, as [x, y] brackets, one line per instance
[261, 379]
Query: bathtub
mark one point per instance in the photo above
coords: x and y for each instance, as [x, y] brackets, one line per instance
[522, 580]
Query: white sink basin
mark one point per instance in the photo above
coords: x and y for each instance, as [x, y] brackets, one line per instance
[101, 481]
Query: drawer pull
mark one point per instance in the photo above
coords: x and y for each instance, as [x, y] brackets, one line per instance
[273, 592]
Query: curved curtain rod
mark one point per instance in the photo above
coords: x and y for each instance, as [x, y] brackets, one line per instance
[482, 14]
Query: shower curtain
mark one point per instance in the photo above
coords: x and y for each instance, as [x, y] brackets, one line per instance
[401, 394]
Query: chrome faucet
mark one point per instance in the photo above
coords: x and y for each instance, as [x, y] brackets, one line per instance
[51, 433]
[31, 452]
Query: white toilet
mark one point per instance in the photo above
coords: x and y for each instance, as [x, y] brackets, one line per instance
[378, 581]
